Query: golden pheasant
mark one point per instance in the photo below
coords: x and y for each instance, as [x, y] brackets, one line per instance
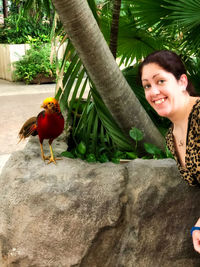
[49, 124]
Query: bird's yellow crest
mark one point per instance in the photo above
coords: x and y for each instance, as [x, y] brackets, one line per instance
[50, 104]
[50, 100]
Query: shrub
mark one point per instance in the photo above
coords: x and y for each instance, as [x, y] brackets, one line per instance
[35, 61]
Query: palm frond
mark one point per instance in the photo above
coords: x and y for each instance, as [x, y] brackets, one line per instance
[113, 130]
[150, 12]
[136, 43]
[187, 12]
[176, 21]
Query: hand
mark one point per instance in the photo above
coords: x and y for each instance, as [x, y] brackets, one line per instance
[196, 237]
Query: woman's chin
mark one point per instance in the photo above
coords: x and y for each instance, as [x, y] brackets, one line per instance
[163, 113]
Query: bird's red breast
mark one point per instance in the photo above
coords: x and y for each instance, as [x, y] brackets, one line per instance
[49, 125]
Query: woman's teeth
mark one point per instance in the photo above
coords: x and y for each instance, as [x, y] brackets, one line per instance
[159, 101]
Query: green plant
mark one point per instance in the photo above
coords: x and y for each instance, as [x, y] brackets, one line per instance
[35, 61]
[19, 30]
[107, 151]
[152, 150]
[91, 138]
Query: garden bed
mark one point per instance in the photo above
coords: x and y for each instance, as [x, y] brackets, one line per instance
[43, 79]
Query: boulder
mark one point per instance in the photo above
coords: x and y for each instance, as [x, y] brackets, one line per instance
[94, 215]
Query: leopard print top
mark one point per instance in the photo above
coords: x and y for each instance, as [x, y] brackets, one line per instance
[191, 171]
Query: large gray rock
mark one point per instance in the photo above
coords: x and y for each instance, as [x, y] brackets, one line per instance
[95, 215]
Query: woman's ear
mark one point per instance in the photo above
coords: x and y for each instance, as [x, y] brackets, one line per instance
[183, 81]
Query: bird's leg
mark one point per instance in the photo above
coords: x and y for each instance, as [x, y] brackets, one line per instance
[52, 158]
[42, 153]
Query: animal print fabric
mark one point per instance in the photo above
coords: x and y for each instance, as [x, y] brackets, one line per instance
[191, 171]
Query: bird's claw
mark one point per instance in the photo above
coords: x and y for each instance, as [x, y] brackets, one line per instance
[45, 157]
[51, 159]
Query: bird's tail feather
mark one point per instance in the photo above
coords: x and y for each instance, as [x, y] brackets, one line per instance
[29, 128]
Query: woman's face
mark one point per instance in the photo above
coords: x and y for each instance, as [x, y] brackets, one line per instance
[162, 90]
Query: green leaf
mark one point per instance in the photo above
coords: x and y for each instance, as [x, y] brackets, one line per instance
[67, 154]
[91, 158]
[147, 157]
[115, 160]
[136, 134]
[132, 155]
[152, 149]
[103, 158]
[119, 155]
[168, 153]
[82, 148]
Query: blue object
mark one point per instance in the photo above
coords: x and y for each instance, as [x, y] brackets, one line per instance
[194, 228]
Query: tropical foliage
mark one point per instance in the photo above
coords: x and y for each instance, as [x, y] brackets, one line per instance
[99, 128]
[178, 20]
[27, 20]
[171, 25]
[89, 120]
[20, 30]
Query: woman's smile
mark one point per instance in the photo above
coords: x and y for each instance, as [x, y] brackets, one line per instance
[159, 101]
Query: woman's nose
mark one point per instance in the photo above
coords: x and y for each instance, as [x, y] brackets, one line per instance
[155, 90]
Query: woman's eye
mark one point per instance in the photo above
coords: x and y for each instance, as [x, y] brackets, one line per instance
[161, 81]
[147, 86]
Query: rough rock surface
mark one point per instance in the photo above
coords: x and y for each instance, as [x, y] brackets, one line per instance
[77, 214]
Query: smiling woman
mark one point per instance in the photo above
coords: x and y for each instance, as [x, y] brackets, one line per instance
[170, 93]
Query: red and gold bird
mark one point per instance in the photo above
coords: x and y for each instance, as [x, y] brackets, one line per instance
[49, 124]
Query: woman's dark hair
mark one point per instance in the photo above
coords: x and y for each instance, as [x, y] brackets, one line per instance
[170, 62]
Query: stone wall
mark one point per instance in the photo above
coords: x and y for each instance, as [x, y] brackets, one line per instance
[95, 215]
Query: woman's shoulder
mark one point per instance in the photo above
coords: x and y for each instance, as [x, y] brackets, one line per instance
[196, 108]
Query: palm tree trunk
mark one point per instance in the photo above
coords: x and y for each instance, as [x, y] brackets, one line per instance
[95, 54]
[5, 8]
[115, 27]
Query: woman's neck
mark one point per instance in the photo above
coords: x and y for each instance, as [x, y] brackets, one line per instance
[180, 119]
